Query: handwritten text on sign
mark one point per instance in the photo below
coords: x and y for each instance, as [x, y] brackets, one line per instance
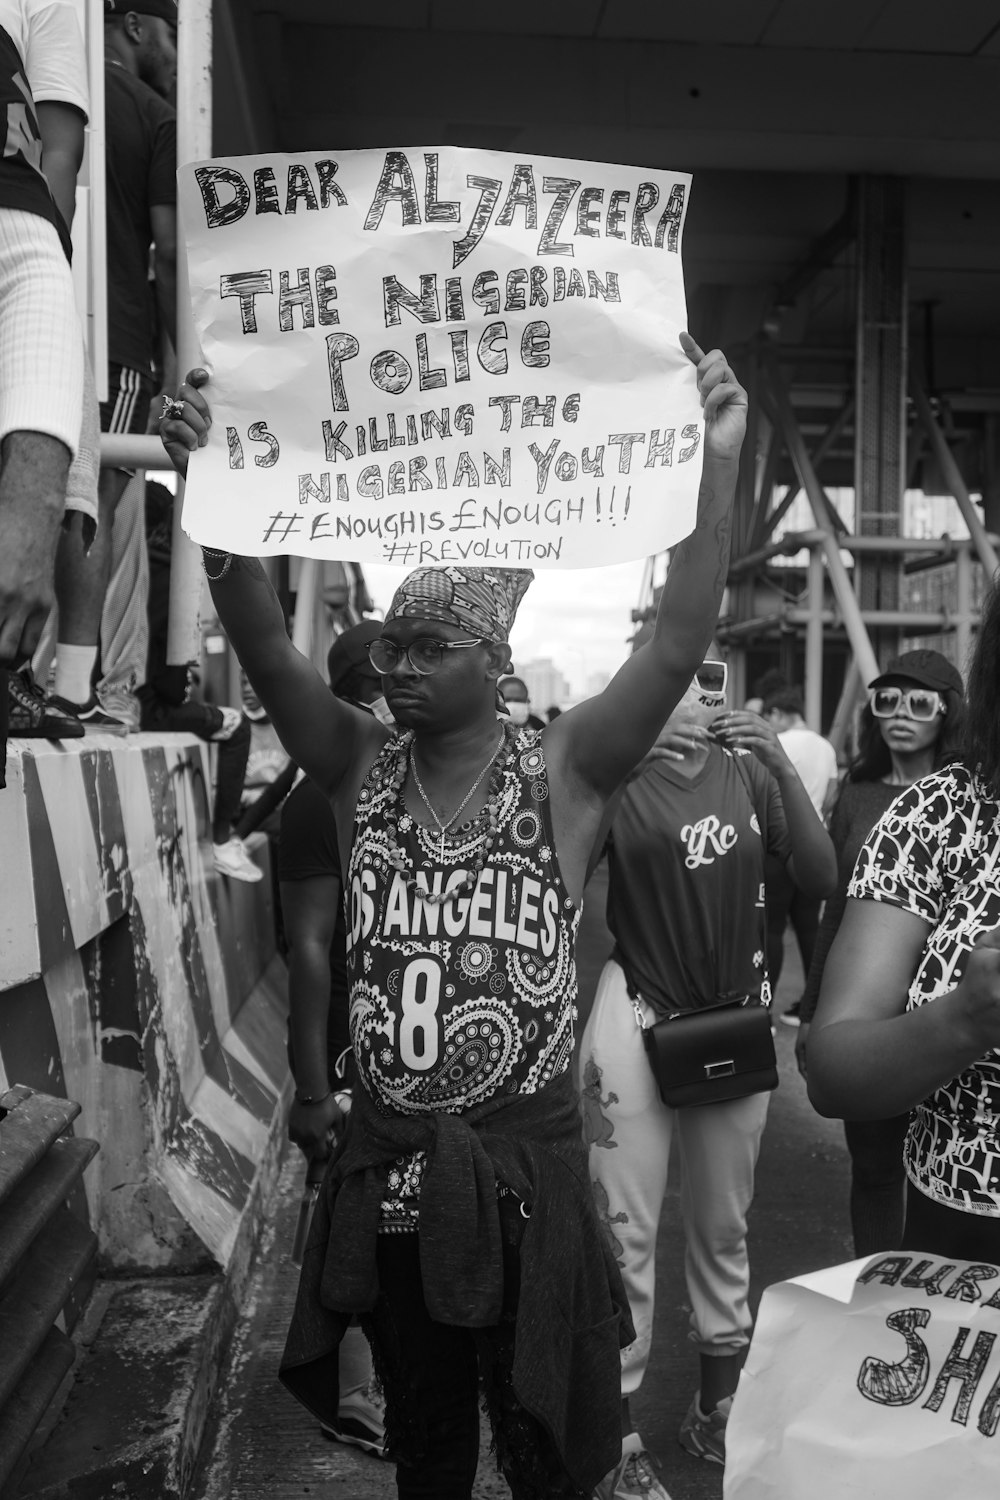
[877, 1378]
[441, 355]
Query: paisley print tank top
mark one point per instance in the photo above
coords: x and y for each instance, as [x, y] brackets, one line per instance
[455, 1002]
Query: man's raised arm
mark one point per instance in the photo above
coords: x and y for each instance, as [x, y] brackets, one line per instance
[603, 738]
[320, 733]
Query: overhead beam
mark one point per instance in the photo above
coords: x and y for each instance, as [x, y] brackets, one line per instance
[744, 108]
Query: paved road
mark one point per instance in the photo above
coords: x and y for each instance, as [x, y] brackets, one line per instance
[263, 1447]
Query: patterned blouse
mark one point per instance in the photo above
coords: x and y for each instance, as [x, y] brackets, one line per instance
[935, 853]
[454, 1002]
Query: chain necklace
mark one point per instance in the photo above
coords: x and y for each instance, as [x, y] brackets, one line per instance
[490, 818]
[444, 826]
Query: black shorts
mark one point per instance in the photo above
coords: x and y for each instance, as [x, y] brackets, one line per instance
[127, 407]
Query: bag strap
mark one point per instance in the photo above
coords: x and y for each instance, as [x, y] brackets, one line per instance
[633, 993]
[744, 775]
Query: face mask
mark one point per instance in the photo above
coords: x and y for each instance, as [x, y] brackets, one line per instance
[518, 713]
[382, 712]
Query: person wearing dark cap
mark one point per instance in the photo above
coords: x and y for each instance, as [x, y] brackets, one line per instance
[910, 726]
[457, 1217]
[351, 674]
[319, 1038]
[908, 1019]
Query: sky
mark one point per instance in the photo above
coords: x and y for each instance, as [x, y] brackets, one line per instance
[581, 617]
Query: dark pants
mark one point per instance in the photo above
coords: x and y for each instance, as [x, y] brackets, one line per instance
[204, 720]
[878, 1182]
[785, 903]
[940, 1230]
[431, 1373]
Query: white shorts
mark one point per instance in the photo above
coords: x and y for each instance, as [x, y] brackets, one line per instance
[41, 343]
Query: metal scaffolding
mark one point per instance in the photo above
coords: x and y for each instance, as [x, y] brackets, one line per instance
[876, 422]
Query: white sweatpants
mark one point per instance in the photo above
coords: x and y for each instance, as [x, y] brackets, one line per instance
[629, 1131]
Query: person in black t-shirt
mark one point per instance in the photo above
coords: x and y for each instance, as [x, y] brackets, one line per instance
[686, 909]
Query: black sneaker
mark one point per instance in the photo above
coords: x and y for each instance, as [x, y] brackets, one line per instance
[33, 716]
[793, 1015]
[91, 716]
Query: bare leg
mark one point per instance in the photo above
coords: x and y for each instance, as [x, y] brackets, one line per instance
[82, 577]
[33, 470]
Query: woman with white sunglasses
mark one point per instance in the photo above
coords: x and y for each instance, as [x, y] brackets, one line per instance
[910, 726]
[909, 1010]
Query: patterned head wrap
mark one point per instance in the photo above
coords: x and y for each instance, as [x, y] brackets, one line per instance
[482, 601]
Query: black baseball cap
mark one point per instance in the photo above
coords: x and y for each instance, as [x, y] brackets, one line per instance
[929, 668]
[349, 652]
[166, 10]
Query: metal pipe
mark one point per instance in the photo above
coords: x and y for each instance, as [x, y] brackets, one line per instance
[818, 500]
[132, 450]
[844, 714]
[194, 142]
[305, 604]
[953, 479]
[963, 607]
[932, 549]
[930, 619]
[831, 619]
[814, 642]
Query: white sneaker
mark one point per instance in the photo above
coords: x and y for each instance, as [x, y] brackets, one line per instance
[360, 1422]
[634, 1476]
[704, 1435]
[233, 860]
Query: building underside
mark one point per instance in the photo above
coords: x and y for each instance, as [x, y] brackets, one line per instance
[842, 245]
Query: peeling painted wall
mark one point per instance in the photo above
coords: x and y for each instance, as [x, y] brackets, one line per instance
[136, 980]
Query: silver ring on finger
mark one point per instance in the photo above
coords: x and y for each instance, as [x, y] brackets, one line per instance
[172, 407]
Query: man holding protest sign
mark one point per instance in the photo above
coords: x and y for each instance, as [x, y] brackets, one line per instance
[458, 1220]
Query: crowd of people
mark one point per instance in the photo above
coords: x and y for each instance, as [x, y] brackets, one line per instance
[83, 579]
[462, 838]
[476, 1232]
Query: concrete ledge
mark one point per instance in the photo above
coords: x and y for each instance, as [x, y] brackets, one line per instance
[131, 1416]
[136, 1410]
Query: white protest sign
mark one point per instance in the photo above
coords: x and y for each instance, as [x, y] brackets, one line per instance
[876, 1379]
[439, 355]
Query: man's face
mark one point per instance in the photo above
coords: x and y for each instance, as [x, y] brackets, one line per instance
[157, 55]
[451, 695]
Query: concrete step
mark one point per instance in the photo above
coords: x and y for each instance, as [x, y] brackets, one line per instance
[137, 1404]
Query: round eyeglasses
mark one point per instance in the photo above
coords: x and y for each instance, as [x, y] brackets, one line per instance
[922, 704]
[425, 654]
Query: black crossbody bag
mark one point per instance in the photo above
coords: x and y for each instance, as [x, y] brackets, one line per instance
[722, 1051]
